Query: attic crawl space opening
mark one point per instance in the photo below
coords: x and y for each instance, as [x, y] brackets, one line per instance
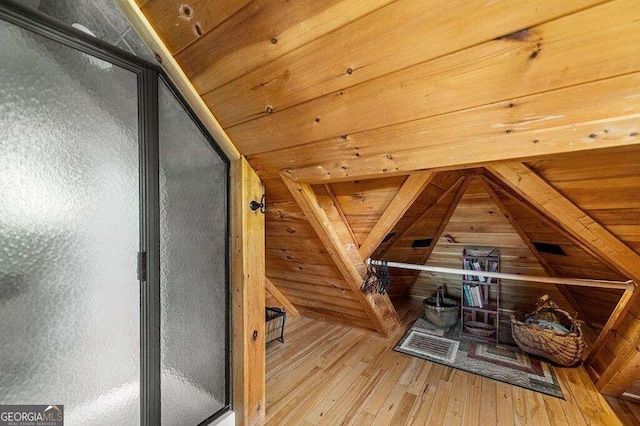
[429, 218]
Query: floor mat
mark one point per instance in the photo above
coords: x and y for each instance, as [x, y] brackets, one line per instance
[504, 362]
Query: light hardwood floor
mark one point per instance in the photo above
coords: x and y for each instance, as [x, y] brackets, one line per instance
[331, 374]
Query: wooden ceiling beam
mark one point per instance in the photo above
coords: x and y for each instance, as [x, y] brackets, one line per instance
[427, 211]
[289, 308]
[494, 181]
[601, 114]
[624, 353]
[525, 237]
[408, 193]
[462, 153]
[462, 187]
[336, 203]
[454, 188]
[379, 308]
[556, 206]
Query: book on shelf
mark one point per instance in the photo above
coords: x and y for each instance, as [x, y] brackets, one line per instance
[480, 302]
[478, 267]
[467, 295]
[473, 296]
[469, 265]
[477, 297]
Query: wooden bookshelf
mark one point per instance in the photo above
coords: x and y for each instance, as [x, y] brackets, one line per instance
[475, 296]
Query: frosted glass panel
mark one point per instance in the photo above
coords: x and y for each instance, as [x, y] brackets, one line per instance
[193, 217]
[69, 231]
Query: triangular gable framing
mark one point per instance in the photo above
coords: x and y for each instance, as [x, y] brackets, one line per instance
[515, 177]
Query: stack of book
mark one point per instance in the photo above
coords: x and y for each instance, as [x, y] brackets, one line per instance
[477, 266]
[473, 296]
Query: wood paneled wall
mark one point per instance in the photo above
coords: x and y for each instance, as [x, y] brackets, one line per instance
[363, 202]
[477, 221]
[605, 186]
[421, 222]
[299, 265]
[271, 301]
[594, 305]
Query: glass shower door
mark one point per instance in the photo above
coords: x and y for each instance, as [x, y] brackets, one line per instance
[69, 231]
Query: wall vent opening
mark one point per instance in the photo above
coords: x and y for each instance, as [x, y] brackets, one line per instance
[422, 243]
[389, 236]
[549, 248]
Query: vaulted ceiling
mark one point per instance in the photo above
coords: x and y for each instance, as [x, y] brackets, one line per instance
[373, 123]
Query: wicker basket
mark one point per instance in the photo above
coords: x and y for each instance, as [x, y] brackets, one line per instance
[274, 328]
[441, 311]
[479, 251]
[562, 348]
[479, 328]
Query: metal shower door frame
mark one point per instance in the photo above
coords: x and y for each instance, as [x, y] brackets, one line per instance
[148, 78]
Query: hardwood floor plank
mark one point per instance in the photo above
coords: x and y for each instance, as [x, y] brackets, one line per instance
[331, 374]
[404, 408]
[473, 401]
[555, 410]
[520, 406]
[438, 410]
[390, 405]
[356, 411]
[381, 395]
[423, 407]
[504, 404]
[457, 398]
[315, 416]
[537, 408]
[339, 411]
[419, 380]
[489, 410]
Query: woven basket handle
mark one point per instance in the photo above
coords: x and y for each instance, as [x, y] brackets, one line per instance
[575, 324]
[545, 302]
[439, 294]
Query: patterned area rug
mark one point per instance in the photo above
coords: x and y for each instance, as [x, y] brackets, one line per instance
[504, 362]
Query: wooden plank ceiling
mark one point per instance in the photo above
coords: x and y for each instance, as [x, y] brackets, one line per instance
[344, 99]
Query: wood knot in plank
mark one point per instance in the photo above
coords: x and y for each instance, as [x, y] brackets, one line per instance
[186, 12]
[522, 35]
